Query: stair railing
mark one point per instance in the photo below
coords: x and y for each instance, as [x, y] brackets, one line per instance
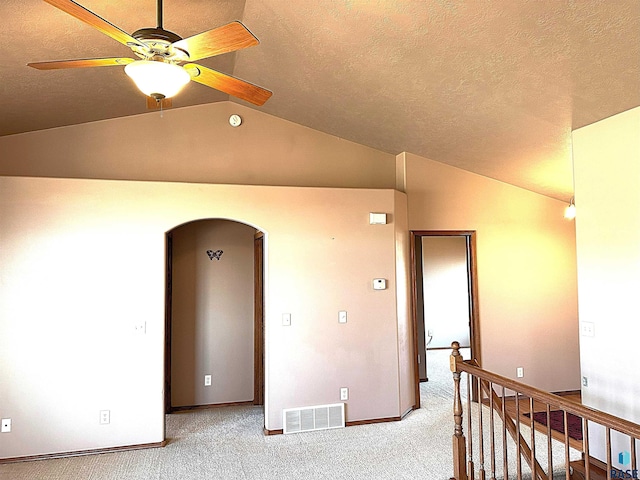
[487, 385]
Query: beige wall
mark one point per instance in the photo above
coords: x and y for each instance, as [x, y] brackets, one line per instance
[92, 253]
[212, 313]
[406, 355]
[197, 144]
[526, 268]
[607, 166]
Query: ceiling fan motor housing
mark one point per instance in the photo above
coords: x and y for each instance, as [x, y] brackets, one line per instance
[159, 43]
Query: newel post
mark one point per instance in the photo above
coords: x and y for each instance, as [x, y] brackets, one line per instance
[459, 442]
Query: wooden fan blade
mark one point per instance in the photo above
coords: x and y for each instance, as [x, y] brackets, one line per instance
[87, 16]
[89, 62]
[227, 38]
[227, 84]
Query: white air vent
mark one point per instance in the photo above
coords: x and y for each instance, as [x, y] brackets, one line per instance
[306, 419]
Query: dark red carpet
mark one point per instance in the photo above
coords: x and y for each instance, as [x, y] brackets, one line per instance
[574, 422]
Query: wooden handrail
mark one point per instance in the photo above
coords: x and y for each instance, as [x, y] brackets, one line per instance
[486, 382]
[619, 424]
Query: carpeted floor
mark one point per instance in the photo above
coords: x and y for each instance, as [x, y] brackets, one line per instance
[228, 443]
[574, 422]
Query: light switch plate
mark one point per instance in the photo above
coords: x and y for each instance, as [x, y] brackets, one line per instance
[286, 319]
[6, 425]
[342, 316]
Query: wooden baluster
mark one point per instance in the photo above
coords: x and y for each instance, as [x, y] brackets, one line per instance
[492, 432]
[481, 431]
[566, 447]
[585, 447]
[505, 458]
[518, 451]
[470, 466]
[532, 424]
[609, 464]
[634, 465]
[549, 444]
[459, 445]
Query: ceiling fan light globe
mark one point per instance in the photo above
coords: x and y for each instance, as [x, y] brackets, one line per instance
[157, 79]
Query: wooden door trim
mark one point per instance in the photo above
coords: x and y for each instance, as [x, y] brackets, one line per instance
[474, 332]
[258, 319]
[168, 296]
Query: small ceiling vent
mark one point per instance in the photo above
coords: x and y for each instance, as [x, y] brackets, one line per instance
[307, 419]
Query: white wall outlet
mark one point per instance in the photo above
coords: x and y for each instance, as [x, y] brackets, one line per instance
[344, 393]
[105, 417]
[587, 329]
[342, 316]
[207, 380]
[6, 425]
[429, 333]
[140, 327]
[286, 319]
[585, 382]
[520, 372]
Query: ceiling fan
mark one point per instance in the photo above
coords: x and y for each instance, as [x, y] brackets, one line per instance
[164, 67]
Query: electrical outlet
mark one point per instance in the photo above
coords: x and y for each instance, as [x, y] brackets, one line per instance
[342, 316]
[585, 382]
[140, 327]
[587, 329]
[520, 372]
[207, 380]
[105, 417]
[286, 319]
[344, 393]
[429, 333]
[6, 425]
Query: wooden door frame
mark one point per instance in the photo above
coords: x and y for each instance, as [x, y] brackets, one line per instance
[259, 346]
[474, 327]
[258, 316]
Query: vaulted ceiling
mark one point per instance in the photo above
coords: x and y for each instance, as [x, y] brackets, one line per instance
[493, 87]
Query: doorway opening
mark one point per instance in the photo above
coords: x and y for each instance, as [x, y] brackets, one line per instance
[214, 315]
[444, 296]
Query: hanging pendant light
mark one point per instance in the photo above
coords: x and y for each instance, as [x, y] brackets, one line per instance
[157, 79]
[570, 211]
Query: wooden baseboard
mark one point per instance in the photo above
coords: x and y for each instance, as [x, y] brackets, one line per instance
[373, 420]
[273, 432]
[190, 408]
[566, 393]
[79, 453]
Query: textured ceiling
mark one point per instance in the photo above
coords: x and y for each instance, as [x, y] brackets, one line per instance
[494, 87]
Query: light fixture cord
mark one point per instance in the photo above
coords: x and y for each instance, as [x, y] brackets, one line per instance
[573, 174]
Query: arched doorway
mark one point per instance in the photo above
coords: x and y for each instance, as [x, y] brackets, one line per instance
[214, 340]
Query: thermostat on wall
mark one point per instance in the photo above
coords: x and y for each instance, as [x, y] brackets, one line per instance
[379, 284]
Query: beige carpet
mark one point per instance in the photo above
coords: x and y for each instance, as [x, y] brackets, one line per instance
[228, 443]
